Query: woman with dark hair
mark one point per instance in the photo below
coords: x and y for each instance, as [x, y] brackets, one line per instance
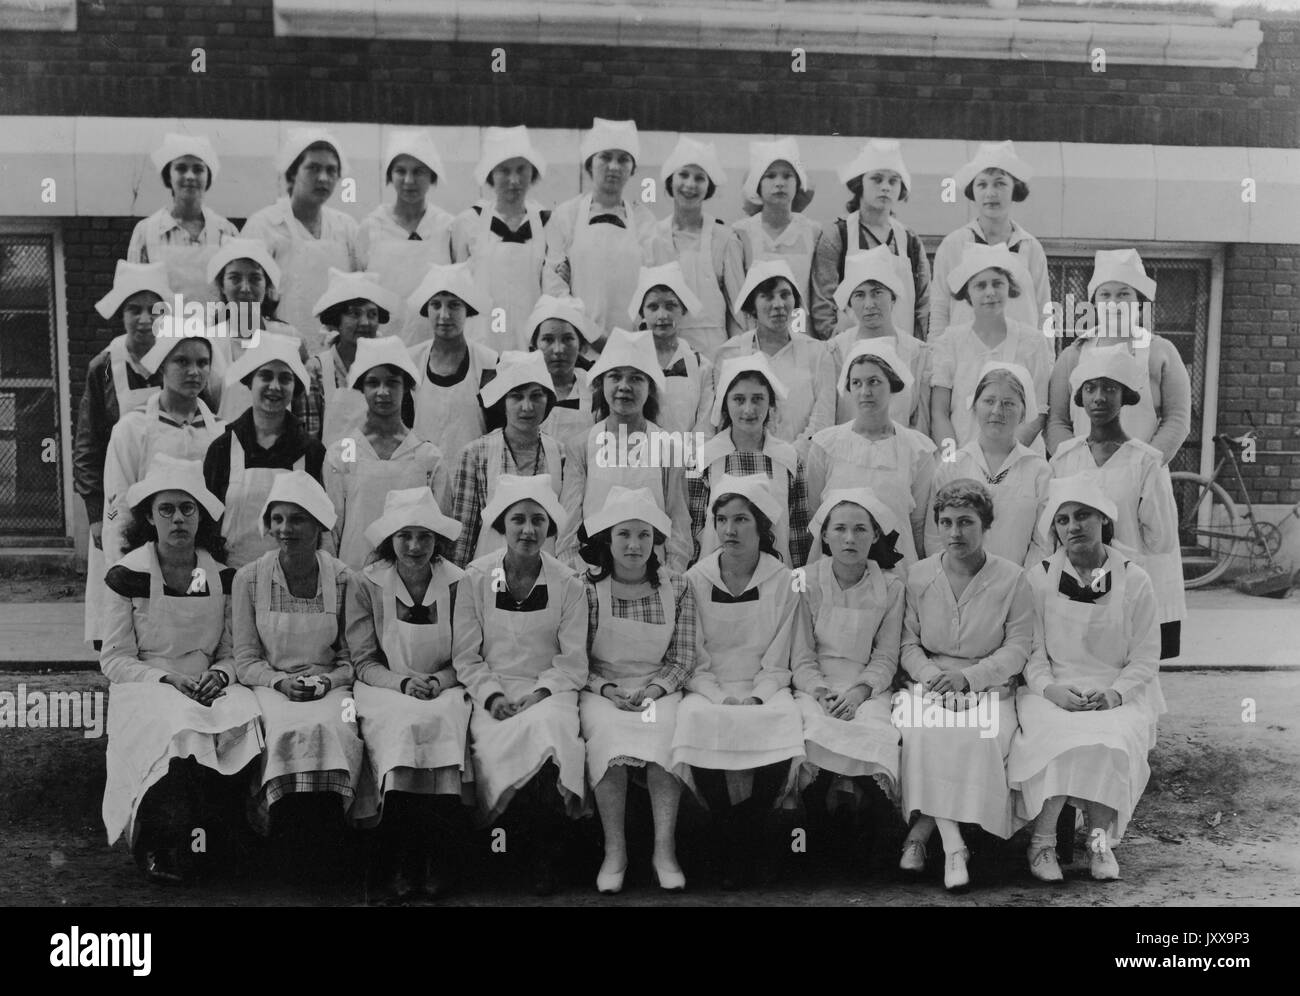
[641, 648]
[520, 650]
[627, 447]
[381, 454]
[661, 301]
[739, 740]
[967, 627]
[518, 400]
[561, 333]
[1132, 473]
[411, 709]
[180, 727]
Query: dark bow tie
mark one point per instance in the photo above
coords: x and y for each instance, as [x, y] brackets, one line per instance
[724, 597]
[678, 369]
[501, 230]
[417, 615]
[607, 219]
[1090, 592]
[575, 403]
[414, 237]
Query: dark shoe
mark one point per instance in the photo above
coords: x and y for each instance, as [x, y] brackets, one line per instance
[546, 880]
[440, 877]
[163, 867]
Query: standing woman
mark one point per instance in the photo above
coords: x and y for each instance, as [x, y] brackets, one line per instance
[660, 304]
[967, 629]
[116, 383]
[291, 649]
[179, 727]
[1092, 696]
[739, 737]
[1118, 289]
[411, 710]
[695, 239]
[451, 369]
[1015, 475]
[560, 333]
[743, 410]
[873, 450]
[995, 179]
[183, 237]
[594, 242]
[626, 447]
[641, 646]
[381, 454]
[986, 278]
[1132, 473]
[242, 463]
[776, 192]
[398, 242]
[521, 651]
[305, 237]
[518, 400]
[878, 180]
[504, 239]
[770, 295]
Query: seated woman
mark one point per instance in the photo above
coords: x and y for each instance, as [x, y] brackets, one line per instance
[561, 333]
[411, 709]
[845, 655]
[967, 627]
[520, 636]
[641, 649]
[739, 739]
[661, 301]
[1092, 697]
[290, 648]
[179, 729]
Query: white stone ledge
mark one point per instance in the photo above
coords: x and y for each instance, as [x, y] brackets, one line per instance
[38, 15]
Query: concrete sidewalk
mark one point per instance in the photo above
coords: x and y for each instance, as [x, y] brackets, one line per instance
[1224, 629]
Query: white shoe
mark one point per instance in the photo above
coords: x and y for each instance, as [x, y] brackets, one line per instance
[913, 859]
[1102, 861]
[610, 880]
[955, 875]
[1043, 864]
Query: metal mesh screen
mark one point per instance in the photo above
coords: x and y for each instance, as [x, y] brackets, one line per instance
[31, 465]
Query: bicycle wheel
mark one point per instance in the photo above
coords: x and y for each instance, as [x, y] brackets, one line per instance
[1207, 527]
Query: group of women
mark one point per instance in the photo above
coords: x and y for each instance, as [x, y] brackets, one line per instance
[375, 536]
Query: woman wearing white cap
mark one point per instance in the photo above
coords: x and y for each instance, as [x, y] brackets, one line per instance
[504, 239]
[180, 725]
[743, 410]
[451, 368]
[242, 463]
[1162, 417]
[594, 242]
[352, 308]
[1015, 475]
[411, 709]
[967, 630]
[305, 237]
[995, 179]
[1092, 696]
[770, 295]
[518, 400]
[776, 192]
[873, 450]
[660, 304]
[116, 383]
[695, 239]
[1132, 473]
[878, 180]
[986, 277]
[870, 292]
[846, 646]
[561, 333]
[520, 631]
[739, 738]
[381, 454]
[641, 647]
[184, 236]
[627, 447]
[398, 242]
[290, 647]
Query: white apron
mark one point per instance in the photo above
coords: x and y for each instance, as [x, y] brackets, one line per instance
[508, 275]
[904, 310]
[150, 722]
[247, 491]
[1139, 421]
[794, 413]
[187, 269]
[800, 261]
[304, 268]
[706, 329]
[365, 487]
[601, 479]
[401, 264]
[449, 417]
[345, 407]
[785, 463]
[567, 424]
[681, 397]
[489, 540]
[630, 654]
[604, 266]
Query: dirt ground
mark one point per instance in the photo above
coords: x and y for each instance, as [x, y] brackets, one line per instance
[1217, 827]
[28, 585]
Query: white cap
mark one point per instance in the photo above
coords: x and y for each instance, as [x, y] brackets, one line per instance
[668, 275]
[453, 278]
[606, 134]
[242, 248]
[511, 490]
[689, 152]
[976, 258]
[359, 286]
[764, 154]
[132, 278]
[408, 507]
[863, 497]
[630, 349]
[874, 264]
[1082, 488]
[303, 490]
[878, 153]
[296, 141]
[755, 487]
[1124, 265]
[514, 369]
[175, 145]
[1021, 374]
[1112, 362]
[995, 155]
[733, 368]
[500, 144]
[567, 309]
[624, 504]
[382, 351]
[270, 346]
[883, 348]
[167, 473]
[765, 269]
[169, 332]
[416, 143]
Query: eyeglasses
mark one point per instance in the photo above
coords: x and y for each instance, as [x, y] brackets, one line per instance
[187, 508]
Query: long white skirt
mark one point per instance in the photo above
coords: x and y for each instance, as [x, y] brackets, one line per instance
[307, 737]
[508, 753]
[611, 732]
[149, 723]
[866, 745]
[412, 745]
[737, 739]
[1095, 756]
[953, 772]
